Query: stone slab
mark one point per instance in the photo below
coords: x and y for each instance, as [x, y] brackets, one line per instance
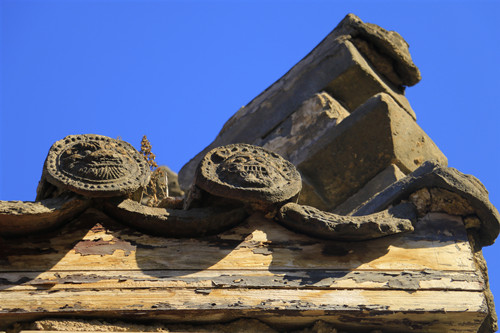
[360, 81]
[293, 138]
[374, 136]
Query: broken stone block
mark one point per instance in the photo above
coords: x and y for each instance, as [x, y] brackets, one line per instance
[295, 136]
[386, 50]
[335, 66]
[421, 199]
[440, 200]
[360, 81]
[391, 174]
[374, 136]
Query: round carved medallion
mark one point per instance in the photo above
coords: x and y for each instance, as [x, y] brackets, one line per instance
[248, 173]
[95, 165]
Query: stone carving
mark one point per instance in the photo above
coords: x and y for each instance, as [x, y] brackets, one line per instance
[95, 166]
[231, 182]
[248, 173]
[317, 223]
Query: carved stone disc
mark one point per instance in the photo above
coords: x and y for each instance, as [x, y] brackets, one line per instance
[96, 166]
[248, 173]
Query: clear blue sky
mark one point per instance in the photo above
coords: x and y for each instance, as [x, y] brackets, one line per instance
[177, 70]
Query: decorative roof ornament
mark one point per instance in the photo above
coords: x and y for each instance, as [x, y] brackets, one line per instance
[95, 166]
[248, 173]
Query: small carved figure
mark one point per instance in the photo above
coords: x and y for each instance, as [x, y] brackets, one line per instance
[157, 188]
[95, 166]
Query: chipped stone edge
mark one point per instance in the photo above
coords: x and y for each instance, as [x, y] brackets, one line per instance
[430, 174]
[24, 217]
[394, 220]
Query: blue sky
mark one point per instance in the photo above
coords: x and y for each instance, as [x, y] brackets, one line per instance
[177, 70]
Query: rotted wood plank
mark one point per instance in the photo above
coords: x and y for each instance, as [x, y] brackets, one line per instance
[242, 298]
[367, 307]
[94, 242]
[301, 279]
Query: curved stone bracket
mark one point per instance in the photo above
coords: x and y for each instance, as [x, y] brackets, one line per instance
[317, 223]
[168, 222]
[432, 175]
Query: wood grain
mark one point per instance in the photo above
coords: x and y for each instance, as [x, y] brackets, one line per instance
[95, 266]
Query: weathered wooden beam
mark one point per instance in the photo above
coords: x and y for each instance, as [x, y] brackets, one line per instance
[422, 309]
[96, 267]
[56, 281]
[95, 242]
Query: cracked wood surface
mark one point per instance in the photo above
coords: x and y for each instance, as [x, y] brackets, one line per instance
[94, 266]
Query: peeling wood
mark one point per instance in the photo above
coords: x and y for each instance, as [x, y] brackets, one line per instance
[438, 243]
[187, 299]
[102, 247]
[421, 309]
[312, 279]
[96, 267]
